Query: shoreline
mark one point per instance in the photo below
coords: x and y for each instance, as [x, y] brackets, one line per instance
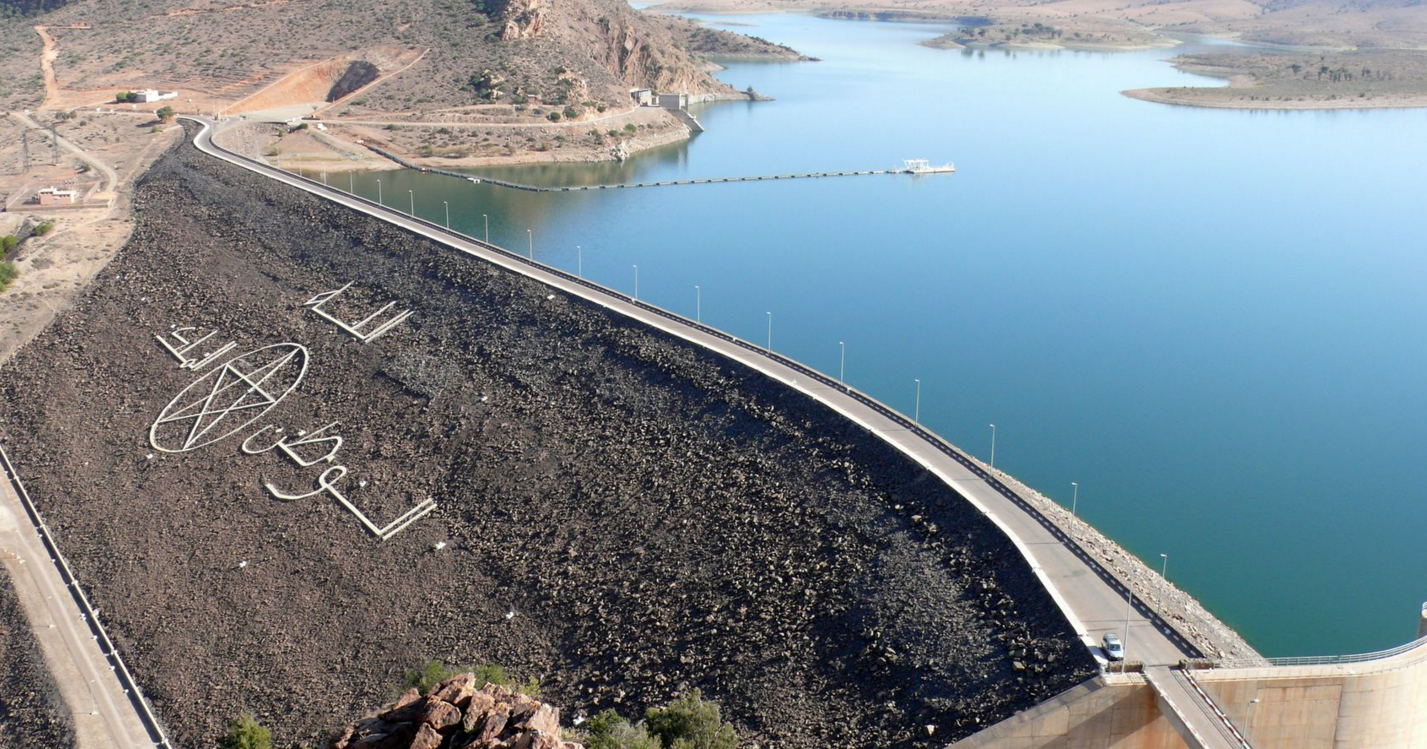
[1167, 97]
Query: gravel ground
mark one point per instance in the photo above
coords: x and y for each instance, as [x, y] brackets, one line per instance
[626, 516]
[32, 713]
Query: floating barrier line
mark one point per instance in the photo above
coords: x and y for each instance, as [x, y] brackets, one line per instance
[666, 183]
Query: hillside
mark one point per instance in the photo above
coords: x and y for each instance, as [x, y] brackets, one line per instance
[438, 53]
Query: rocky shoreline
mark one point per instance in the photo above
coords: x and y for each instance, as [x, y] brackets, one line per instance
[620, 513]
[32, 712]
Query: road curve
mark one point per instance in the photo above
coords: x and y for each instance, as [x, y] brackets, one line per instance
[1090, 597]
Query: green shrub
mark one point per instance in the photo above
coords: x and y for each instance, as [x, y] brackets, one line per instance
[245, 733]
[630, 128]
[8, 274]
[436, 671]
[42, 229]
[433, 673]
[690, 722]
[8, 243]
[553, 116]
[165, 114]
[609, 731]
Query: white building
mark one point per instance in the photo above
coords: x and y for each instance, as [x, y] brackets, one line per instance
[149, 94]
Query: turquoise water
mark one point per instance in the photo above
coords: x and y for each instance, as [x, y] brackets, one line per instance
[1209, 319]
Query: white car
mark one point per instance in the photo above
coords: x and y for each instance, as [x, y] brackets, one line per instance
[1114, 649]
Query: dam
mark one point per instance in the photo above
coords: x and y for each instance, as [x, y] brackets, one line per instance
[1169, 695]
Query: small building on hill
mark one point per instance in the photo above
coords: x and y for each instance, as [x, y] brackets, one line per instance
[56, 196]
[150, 94]
[674, 101]
[642, 96]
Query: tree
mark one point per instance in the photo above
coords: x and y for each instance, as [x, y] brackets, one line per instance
[165, 114]
[8, 243]
[691, 722]
[609, 731]
[245, 733]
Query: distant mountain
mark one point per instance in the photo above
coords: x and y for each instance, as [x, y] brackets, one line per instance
[471, 51]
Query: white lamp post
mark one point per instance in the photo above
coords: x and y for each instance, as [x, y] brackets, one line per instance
[636, 282]
[447, 203]
[842, 364]
[1163, 579]
[917, 411]
[1074, 500]
[993, 445]
[698, 304]
[770, 332]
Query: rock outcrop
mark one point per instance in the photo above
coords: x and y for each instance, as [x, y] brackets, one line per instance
[457, 715]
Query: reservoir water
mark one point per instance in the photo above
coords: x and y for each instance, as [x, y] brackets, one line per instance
[1210, 319]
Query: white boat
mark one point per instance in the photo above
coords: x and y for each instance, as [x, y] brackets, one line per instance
[922, 166]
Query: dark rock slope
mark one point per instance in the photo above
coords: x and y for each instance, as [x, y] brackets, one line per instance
[626, 516]
[32, 713]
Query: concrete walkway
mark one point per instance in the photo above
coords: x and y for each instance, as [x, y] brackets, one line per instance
[104, 715]
[1092, 599]
[1191, 711]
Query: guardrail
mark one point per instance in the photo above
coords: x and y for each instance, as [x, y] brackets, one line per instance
[91, 617]
[1324, 660]
[900, 419]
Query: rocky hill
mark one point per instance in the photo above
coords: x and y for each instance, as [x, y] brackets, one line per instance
[564, 52]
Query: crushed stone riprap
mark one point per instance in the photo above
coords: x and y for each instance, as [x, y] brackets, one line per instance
[624, 515]
[32, 712]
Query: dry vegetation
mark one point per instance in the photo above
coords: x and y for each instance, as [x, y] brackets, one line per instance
[54, 267]
[475, 52]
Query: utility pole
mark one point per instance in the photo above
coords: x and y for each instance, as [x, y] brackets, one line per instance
[25, 150]
[54, 143]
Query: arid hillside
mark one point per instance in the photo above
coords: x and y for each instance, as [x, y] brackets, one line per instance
[421, 54]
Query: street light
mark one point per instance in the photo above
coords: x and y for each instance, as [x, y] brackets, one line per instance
[579, 262]
[447, 203]
[412, 196]
[379, 193]
[770, 332]
[698, 304]
[488, 227]
[917, 412]
[1164, 579]
[842, 364]
[324, 179]
[1249, 721]
[636, 283]
[1129, 607]
[1075, 499]
[993, 445]
[351, 183]
[530, 243]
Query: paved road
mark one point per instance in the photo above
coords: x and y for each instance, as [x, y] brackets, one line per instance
[1090, 597]
[104, 716]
